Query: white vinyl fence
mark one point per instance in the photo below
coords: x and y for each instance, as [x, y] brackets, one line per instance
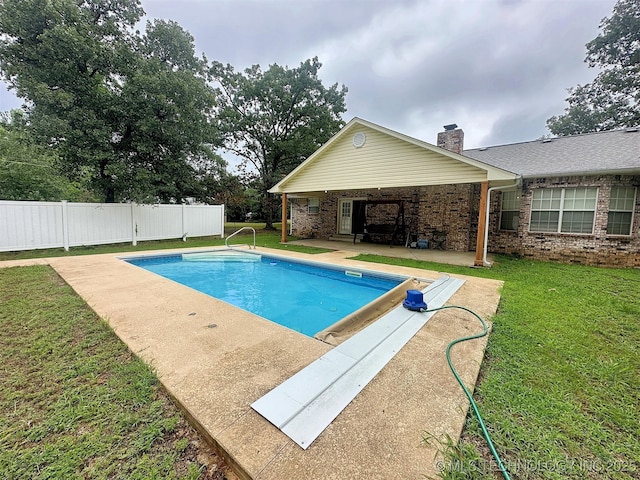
[32, 225]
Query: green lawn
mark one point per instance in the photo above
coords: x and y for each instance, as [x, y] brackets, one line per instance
[560, 384]
[559, 388]
[74, 401]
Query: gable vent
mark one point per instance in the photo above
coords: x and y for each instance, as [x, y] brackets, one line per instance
[359, 139]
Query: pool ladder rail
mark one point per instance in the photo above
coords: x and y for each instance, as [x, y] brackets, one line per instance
[226, 242]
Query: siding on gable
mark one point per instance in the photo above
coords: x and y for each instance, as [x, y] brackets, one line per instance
[383, 161]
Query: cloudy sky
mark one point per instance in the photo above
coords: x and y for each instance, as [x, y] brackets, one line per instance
[497, 68]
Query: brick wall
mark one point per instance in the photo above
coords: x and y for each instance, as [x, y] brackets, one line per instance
[305, 225]
[598, 248]
[454, 209]
[449, 208]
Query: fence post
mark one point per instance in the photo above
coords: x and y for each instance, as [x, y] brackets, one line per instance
[65, 226]
[222, 219]
[134, 227]
[184, 223]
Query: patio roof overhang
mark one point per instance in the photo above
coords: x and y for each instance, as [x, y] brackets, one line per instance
[364, 156]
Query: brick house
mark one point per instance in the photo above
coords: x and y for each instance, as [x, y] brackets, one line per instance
[568, 199]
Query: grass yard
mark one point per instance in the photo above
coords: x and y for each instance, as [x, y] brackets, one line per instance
[559, 388]
[74, 401]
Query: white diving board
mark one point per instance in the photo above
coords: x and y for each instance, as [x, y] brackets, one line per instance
[305, 404]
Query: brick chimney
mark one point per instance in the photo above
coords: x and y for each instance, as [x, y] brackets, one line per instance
[451, 139]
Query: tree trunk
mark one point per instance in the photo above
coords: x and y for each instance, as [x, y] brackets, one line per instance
[269, 211]
[110, 195]
[106, 185]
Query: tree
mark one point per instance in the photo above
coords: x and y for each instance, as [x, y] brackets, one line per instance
[164, 127]
[29, 171]
[274, 119]
[224, 187]
[613, 98]
[130, 110]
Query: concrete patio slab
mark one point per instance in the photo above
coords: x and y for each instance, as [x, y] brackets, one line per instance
[451, 257]
[216, 359]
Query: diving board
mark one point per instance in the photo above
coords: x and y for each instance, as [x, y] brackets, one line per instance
[305, 404]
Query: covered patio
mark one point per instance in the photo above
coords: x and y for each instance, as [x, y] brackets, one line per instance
[435, 189]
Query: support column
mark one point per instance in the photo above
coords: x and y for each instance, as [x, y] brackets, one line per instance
[284, 218]
[482, 224]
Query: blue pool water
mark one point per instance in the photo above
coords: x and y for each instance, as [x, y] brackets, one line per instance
[303, 297]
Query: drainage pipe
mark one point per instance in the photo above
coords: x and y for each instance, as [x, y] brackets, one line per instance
[517, 183]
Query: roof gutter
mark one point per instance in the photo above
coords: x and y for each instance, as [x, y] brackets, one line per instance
[517, 183]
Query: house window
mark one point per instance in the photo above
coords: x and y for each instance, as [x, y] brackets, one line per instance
[510, 211]
[621, 205]
[313, 205]
[563, 210]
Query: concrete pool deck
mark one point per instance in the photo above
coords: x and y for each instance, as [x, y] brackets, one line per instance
[215, 360]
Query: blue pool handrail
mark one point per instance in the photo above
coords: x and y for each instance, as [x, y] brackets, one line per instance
[226, 242]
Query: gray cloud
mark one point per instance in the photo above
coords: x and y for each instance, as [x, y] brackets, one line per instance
[497, 68]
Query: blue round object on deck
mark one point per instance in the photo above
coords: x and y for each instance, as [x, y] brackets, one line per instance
[414, 301]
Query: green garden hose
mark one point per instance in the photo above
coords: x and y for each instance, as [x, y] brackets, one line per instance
[505, 474]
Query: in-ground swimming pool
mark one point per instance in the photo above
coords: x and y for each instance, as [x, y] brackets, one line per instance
[303, 297]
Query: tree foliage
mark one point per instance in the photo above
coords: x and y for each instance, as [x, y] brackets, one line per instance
[612, 99]
[131, 110]
[222, 187]
[274, 119]
[29, 171]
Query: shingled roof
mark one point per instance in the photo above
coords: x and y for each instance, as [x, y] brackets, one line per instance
[611, 152]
